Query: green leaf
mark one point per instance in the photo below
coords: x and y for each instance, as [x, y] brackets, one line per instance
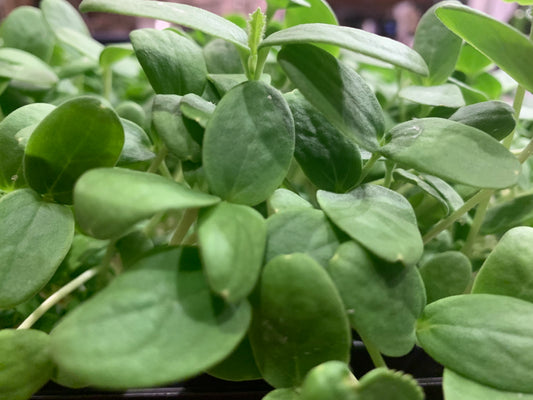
[446, 95]
[508, 48]
[196, 108]
[331, 380]
[22, 66]
[136, 144]
[239, 366]
[454, 200]
[301, 231]
[35, 237]
[180, 14]
[25, 29]
[61, 14]
[493, 117]
[457, 387]
[421, 143]
[403, 175]
[224, 82]
[379, 219]
[484, 337]
[109, 201]
[437, 45]
[281, 4]
[446, 274]
[155, 324]
[26, 365]
[173, 63]
[283, 200]
[382, 300]
[293, 294]
[471, 61]
[508, 270]
[222, 57]
[80, 42]
[11, 151]
[325, 155]
[256, 29]
[248, 143]
[113, 53]
[335, 90]
[79, 135]
[282, 394]
[383, 383]
[232, 243]
[488, 84]
[470, 94]
[357, 40]
[168, 125]
[521, 2]
[518, 211]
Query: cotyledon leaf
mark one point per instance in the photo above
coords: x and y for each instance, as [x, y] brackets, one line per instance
[35, 237]
[109, 201]
[19, 65]
[446, 95]
[353, 39]
[155, 324]
[181, 14]
[62, 14]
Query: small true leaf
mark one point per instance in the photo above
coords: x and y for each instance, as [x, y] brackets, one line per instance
[381, 220]
[444, 148]
[248, 143]
[484, 337]
[109, 201]
[54, 158]
[232, 243]
[293, 294]
[382, 300]
[35, 236]
[335, 90]
[446, 95]
[157, 323]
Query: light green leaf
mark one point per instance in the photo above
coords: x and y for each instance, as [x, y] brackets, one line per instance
[518, 211]
[488, 84]
[248, 143]
[11, 151]
[403, 175]
[180, 14]
[331, 380]
[35, 237]
[437, 45]
[382, 300]
[293, 294]
[484, 337]
[508, 48]
[222, 57]
[282, 394]
[508, 269]
[383, 383]
[232, 243]
[26, 365]
[301, 231]
[80, 134]
[357, 40]
[196, 108]
[224, 82]
[155, 324]
[82, 43]
[283, 200]
[421, 143]
[471, 61]
[381, 220]
[446, 274]
[25, 29]
[113, 53]
[173, 63]
[470, 94]
[277, 4]
[457, 387]
[335, 90]
[454, 200]
[109, 201]
[446, 95]
[521, 2]
[61, 14]
[22, 66]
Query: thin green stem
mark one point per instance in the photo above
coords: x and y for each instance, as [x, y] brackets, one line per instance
[447, 222]
[526, 153]
[188, 218]
[158, 160]
[476, 225]
[151, 226]
[517, 106]
[389, 169]
[367, 167]
[164, 170]
[375, 355]
[108, 83]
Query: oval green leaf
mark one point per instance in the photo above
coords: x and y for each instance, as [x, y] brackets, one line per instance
[35, 237]
[157, 323]
[113, 53]
[137, 145]
[232, 243]
[282, 394]
[109, 201]
[283, 200]
[78, 135]
[446, 95]
[331, 380]
[335, 90]
[248, 143]
[484, 337]
[383, 383]
[238, 366]
[24, 67]
[381, 220]
[293, 294]
[62, 14]
[507, 215]
[421, 143]
[196, 108]
[471, 61]
[382, 300]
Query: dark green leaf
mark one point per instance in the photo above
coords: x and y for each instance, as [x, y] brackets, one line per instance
[224, 82]
[401, 174]
[26, 365]
[78, 135]
[518, 211]
[239, 366]
[335, 90]
[294, 293]
[109, 201]
[35, 236]
[484, 337]
[196, 108]
[136, 144]
[421, 144]
[181, 14]
[446, 95]
[454, 200]
[381, 220]
[248, 143]
[155, 324]
[382, 300]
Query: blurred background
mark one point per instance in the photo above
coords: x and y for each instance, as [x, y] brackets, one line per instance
[392, 18]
